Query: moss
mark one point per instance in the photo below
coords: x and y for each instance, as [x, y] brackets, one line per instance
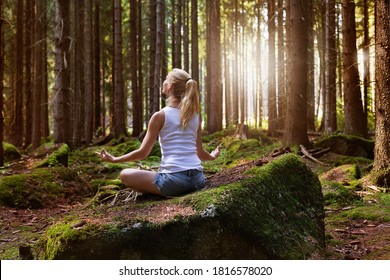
[348, 145]
[57, 158]
[336, 195]
[41, 188]
[248, 149]
[373, 212]
[275, 214]
[10, 152]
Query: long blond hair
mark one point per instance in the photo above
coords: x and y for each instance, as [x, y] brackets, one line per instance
[185, 90]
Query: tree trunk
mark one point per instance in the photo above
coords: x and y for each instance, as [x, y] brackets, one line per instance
[89, 73]
[157, 60]
[79, 74]
[152, 54]
[119, 103]
[259, 92]
[355, 122]
[18, 130]
[382, 81]
[1, 85]
[135, 91]
[214, 118]
[194, 42]
[296, 115]
[310, 71]
[330, 67]
[97, 74]
[28, 86]
[272, 111]
[45, 92]
[62, 110]
[38, 75]
[281, 67]
[366, 58]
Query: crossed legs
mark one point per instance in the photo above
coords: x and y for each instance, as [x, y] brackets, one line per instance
[140, 180]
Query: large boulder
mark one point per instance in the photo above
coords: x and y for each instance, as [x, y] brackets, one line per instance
[273, 212]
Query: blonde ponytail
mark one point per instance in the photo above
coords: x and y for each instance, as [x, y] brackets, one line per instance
[185, 89]
[189, 103]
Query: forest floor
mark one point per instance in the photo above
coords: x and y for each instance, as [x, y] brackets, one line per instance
[349, 233]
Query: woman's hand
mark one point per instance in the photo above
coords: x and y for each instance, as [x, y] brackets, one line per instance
[216, 152]
[105, 156]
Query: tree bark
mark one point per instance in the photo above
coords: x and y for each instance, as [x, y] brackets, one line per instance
[214, 117]
[79, 73]
[119, 103]
[272, 111]
[355, 122]
[135, 91]
[296, 115]
[89, 73]
[38, 75]
[382, 81]
[62, 110]
[1, 85]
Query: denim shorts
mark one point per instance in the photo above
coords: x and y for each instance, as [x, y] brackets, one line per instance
[179, 183]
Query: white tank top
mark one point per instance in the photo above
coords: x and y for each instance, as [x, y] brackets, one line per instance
[178, 146]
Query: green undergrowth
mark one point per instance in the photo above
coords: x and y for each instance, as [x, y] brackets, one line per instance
[42, 187]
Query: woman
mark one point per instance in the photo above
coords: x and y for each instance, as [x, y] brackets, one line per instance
[177, 127]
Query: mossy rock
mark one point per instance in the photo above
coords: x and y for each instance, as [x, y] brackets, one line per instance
[238, 149]
[10, 152]
[342, 174]
[348, 145]
[275, 214]
[339, 184]
[42, 188]
[58, 158]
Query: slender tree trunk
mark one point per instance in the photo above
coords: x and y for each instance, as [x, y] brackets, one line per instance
[157, 60]
[152, 54]
[97, 64]
[186, 43]
[89, 73]
[1, 85]
[18, 130]
[272, 113]
[38, 75]
[355, 122]
[331, 64]
[310, 71]
[45, 93]
[214, 118]
[296, 118]
[119, 104]
[366, 58]
[28, 86]
[135, 91]
[259, 92]
[382, 80]
[140, 109]
[194, 41]
[236, 87]
[79, 73]
[281, 67]
[62, 110]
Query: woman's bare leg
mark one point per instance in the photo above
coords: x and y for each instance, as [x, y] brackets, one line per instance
[140, 180]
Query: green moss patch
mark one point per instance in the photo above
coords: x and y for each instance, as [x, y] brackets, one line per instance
[10, 152]
[348, 145]
[57, 158]
[43, 187]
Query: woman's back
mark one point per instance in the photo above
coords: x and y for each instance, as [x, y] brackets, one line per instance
[178, 145]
